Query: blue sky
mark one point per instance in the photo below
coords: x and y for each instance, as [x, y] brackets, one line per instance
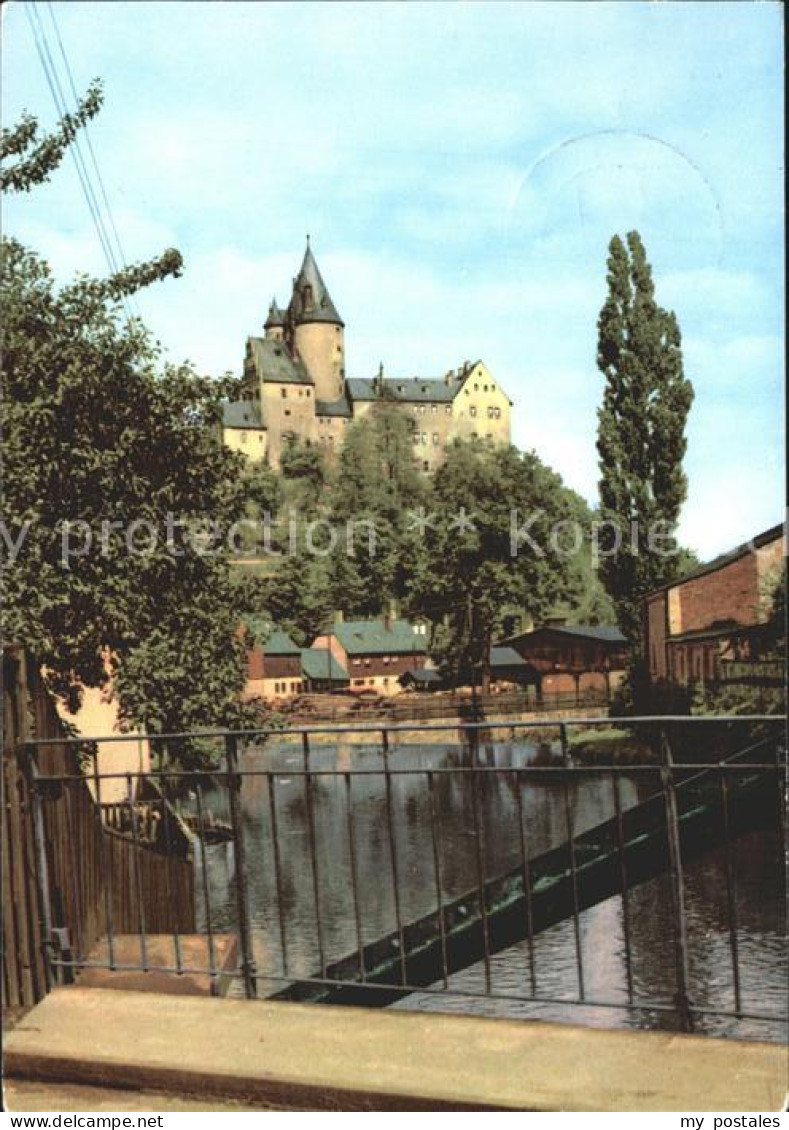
[461, 169]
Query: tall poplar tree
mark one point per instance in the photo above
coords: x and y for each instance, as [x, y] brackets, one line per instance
[641, 435]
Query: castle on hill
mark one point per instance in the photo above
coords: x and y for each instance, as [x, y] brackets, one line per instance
[296, 387]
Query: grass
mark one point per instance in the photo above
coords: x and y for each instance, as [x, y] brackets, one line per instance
[612, 746]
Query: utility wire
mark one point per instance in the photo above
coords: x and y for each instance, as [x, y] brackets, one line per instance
[108, 208]
[53, 81]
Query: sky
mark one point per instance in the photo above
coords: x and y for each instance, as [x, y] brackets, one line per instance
[461, 168]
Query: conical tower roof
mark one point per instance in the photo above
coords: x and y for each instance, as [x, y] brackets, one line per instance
[311, 300]
[275, 316]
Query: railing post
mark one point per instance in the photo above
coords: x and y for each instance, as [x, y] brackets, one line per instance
[677, 883]
[239, 848]
[32, 778]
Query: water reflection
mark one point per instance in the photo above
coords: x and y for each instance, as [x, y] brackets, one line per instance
[394, 836]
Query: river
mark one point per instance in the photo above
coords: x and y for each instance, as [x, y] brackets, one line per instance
[759, 887]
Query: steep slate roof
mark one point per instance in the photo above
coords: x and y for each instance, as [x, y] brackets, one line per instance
[339, 407]
[414, 390]
[372, 637]
[322, 308]
[275, 364]
[319, 663]
[241, 414]
[275, 316]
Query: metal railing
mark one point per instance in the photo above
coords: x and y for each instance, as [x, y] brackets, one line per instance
[359, 870]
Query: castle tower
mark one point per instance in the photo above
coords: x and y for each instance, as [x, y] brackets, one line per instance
[274, 324]
[316, 330]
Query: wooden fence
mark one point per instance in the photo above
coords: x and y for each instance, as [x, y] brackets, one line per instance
[95, 875]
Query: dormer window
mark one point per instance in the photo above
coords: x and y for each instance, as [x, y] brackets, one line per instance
[307, 298]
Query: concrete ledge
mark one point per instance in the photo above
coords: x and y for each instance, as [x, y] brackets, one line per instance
[319, 1057]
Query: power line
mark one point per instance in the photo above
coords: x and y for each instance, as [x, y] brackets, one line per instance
[53, 81]
[121, 254]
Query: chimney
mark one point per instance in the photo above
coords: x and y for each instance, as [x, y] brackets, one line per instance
[338, 616]
[388, 621]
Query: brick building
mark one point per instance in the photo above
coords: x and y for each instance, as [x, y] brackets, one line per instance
[375, 653]
[274, 667]
[573, 658]
[296, 387]
[714, 616]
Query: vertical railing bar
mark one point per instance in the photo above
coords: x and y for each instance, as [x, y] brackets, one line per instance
[731, 895]
[435, 835]
[526, 873]
[272, 804]
[573, 862]
[357, 913]
[234, 781]
[677, 883]
[78, 924]
[106, 873]
[137, 874]
[623, 884]
[33, 779]
[393, 857]
[483, 902]
[206, 892]
[313, 852]
[168, 865]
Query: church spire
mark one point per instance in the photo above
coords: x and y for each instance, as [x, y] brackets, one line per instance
[311, 301]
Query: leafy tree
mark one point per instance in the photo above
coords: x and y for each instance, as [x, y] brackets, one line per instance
[304, 471]
[641, 434]
[111, 475]
[476, 562]
[295, 596]
[377, 486]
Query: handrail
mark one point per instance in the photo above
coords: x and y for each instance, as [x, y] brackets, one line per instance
[407, 727]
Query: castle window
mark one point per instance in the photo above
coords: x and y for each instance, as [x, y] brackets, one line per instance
[424, 437]
[472, 411]
[491, 412]
[300, 393]
[435, 438]
[307, 297]
[449, 409]
[307, 392]
[497, 413]
[476, 388]
[434, 408]
[286, 412]
[243, 437]
[284, 393]
[425, 466]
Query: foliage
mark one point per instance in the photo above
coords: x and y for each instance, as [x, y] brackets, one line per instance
[97, 433]
[468, 571]
[641, 431]
[376, 488]
[38, 157]
[304, 471]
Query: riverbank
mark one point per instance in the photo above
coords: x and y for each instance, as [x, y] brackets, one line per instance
[493, 727]
[610, 746]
